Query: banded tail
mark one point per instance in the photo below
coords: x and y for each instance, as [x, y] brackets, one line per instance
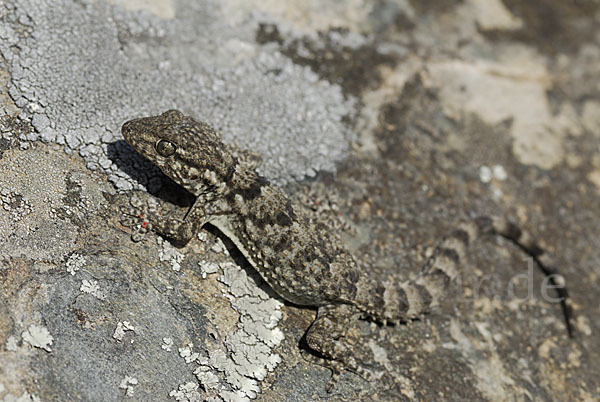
[413, 298]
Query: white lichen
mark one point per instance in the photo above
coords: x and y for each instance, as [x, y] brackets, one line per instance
[187, 353]
[122, 327]
[38, 337]
[74, 263]
[127, 384]
[207, 267]
[234, 396]
[499, 172]
[15, 204]
[11, 343]
[167, 344]
[186, 393]
[207, 377]
[91, 287]
[219, 247]
[170, 254]
[485, 174]
[235, 369]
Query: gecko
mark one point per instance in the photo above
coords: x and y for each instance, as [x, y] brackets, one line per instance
[298, 256]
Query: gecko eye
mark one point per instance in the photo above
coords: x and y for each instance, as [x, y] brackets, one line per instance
[165, 148]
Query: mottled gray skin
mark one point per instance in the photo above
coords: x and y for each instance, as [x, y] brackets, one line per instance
[298, 257]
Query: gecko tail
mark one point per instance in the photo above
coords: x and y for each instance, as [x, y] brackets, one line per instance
[526, 242]
[410, 299]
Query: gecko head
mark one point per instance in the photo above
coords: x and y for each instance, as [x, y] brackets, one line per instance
[187, 150]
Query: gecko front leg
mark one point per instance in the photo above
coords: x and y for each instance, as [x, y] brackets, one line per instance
[183, 229]
[167, 220]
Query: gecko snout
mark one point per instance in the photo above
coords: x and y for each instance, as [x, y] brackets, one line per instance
[126, 130]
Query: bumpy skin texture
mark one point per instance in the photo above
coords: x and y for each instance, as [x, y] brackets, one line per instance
[297, 256]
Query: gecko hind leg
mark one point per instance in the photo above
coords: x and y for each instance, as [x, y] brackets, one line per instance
[326, 340]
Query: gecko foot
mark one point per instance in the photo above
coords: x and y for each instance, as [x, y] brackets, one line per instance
[326, 340]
